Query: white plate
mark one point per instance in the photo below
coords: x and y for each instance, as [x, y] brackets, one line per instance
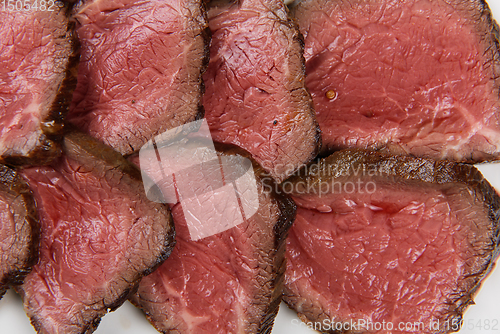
[482, 318]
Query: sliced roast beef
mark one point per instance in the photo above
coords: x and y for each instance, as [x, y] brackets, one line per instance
[141, 68]
[230, 281]
[386, 239]
[100, 235]
[255, 95]
[19, 229]
[38, 58]
[417, 76]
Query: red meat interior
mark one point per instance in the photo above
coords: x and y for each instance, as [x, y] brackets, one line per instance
[131, 56]
[95, 240]
[204, 286]
[248, 99]
[395, 255]
[412, 74]
[30, 70]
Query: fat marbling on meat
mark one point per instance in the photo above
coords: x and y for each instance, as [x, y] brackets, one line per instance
[416, 77]
[38, 62]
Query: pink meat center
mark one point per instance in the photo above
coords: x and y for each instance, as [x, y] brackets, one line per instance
[389, 256]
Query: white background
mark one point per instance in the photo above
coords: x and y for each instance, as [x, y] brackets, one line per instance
[129, 320]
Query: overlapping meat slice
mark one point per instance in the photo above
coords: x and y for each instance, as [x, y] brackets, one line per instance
[417, 76]
[38, 58]
[141, 68]
[255, 95]
[229, 282]
[19, 229]
[389, 240]
[100, 235]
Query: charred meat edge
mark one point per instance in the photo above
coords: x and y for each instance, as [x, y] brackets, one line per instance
[12, 183]
[421, 170]
[288, 210]
[299, 39]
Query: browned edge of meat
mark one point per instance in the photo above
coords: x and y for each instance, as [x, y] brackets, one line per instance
[287, 216]
[53, 125]
[79, 146]
[287, 209]
[418, 170]
[303, 94]
[488, 23]
[24, 251]
[285, 220]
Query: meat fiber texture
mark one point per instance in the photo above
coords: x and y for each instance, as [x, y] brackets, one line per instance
[141, 67]
[38, 55]
[255, 90]
[19, 229]
[416, 77]
[382, 241]
[100, 235]
[229, 282]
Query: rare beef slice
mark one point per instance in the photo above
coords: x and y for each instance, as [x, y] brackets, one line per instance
[386, 239]
[230, 281]
[141, 68]
[38, 63]
[100, 235]
[255, 87]
[417, 76]
[19, 229]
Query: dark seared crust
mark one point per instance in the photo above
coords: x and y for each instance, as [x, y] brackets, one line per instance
[445, 175]
[81, 147]
[300, 93]
[52, 126]
[206, 35]
[54, 122]
[303, 94]
[12, 184]
[287, 209]
[488, 28]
